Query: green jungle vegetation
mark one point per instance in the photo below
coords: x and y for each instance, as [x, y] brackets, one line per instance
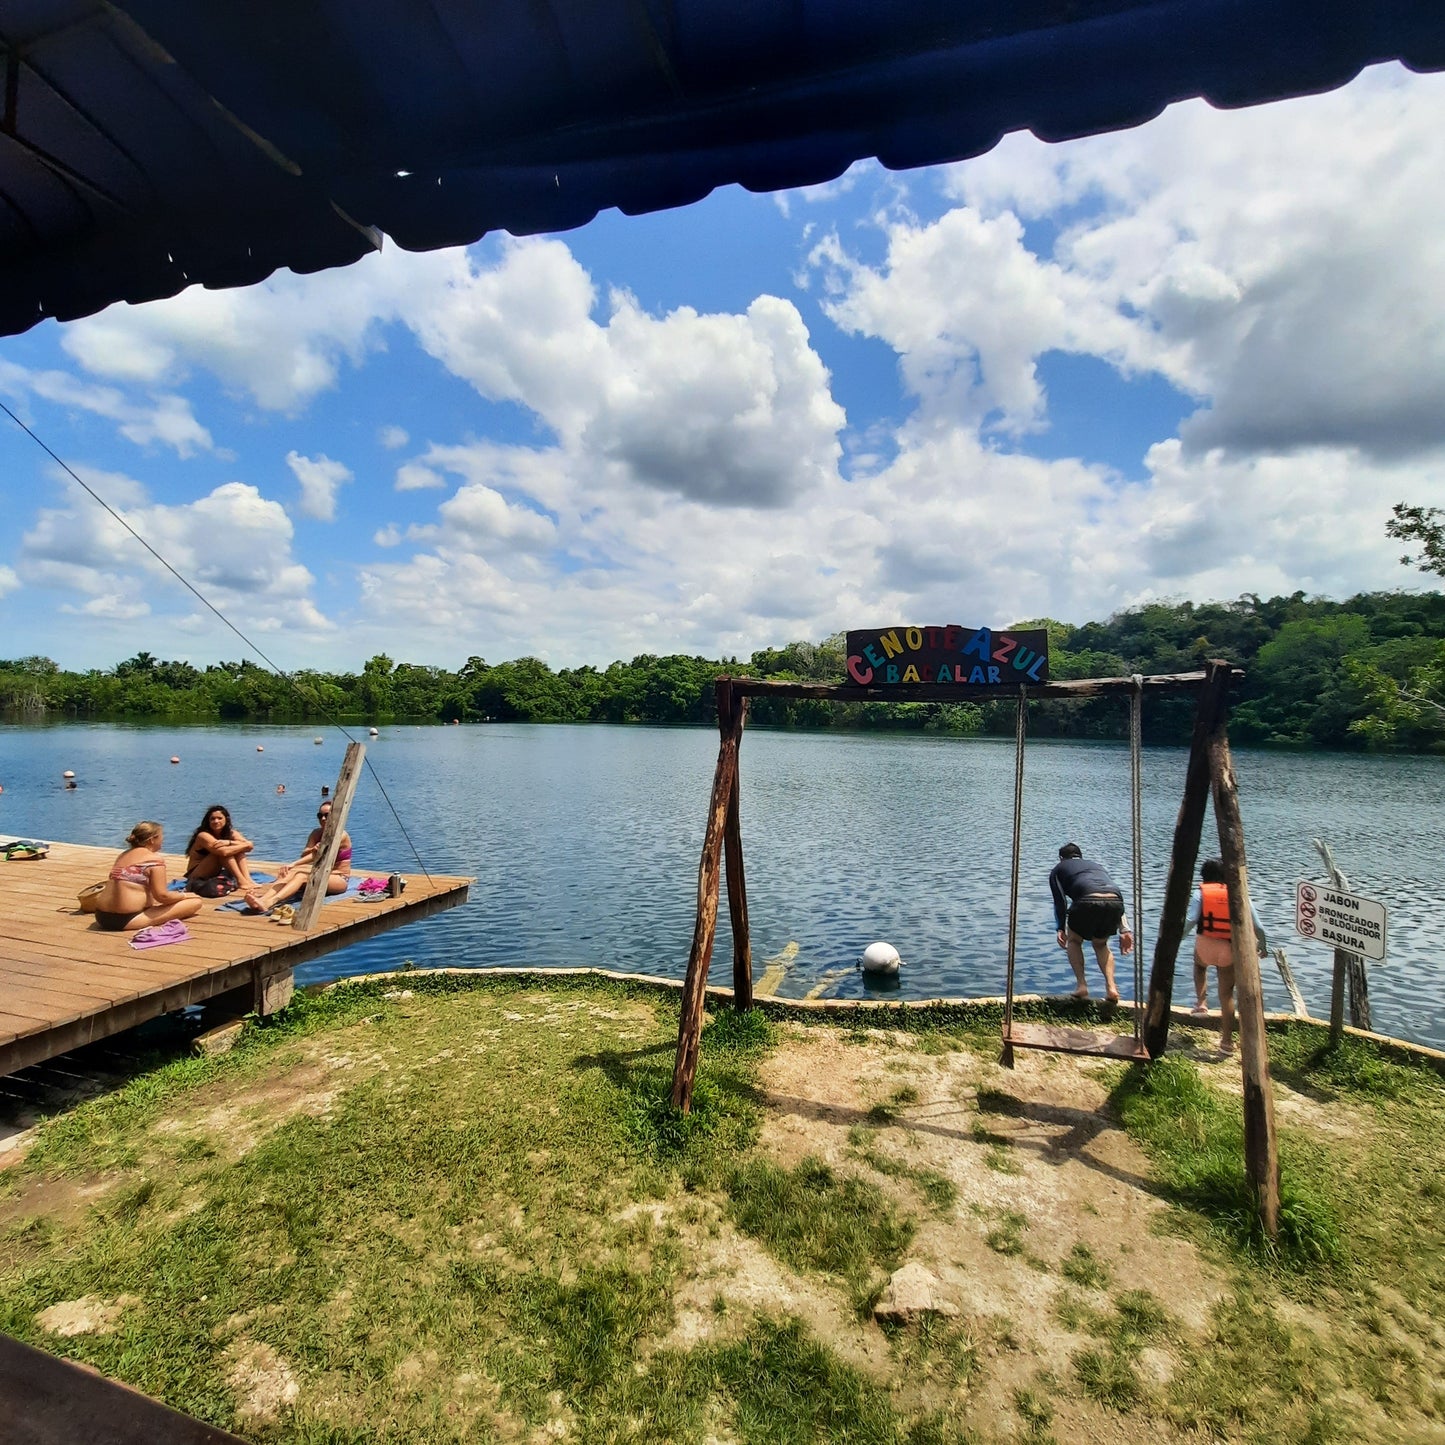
[438, 1208]
[1369, 671]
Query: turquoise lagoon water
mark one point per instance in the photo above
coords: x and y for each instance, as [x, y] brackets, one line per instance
[584, 842]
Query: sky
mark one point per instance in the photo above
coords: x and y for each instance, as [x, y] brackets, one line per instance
[1193, 360]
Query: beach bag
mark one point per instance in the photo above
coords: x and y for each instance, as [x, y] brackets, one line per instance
[217, 886]
[89, 898]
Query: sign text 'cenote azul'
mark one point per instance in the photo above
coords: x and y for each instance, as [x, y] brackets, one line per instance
[972, 656]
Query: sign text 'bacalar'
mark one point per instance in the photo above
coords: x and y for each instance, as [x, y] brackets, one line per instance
[967, 656]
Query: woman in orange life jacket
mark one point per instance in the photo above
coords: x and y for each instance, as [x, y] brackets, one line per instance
[1209, 915]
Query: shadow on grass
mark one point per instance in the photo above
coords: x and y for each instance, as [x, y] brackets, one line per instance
[724, 1117]
[1196, 1139]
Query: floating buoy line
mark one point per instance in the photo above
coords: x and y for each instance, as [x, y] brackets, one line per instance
[211, 607]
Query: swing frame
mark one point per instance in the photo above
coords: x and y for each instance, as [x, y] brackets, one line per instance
[1061, 1038]
[1210, 771]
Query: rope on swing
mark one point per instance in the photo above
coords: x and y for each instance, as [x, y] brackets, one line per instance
[1136, 780]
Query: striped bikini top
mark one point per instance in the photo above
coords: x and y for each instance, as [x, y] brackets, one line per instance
[134, 873]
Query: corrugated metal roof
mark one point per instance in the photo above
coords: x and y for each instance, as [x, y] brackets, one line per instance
[150, 144]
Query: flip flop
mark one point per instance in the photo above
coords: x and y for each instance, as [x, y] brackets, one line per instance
[24, 849]
[283, 913]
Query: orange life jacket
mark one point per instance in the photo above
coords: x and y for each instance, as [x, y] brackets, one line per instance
[1214, 916]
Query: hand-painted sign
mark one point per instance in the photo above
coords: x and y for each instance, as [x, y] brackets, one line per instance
[970, 656]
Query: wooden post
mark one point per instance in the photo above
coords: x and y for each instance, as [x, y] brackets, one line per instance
[1179, 885]
[737, 886]
[1261, 1147]
[1348, 966]
[315, 895]
[1021, 719]
[694, 990]
[1337, 1000]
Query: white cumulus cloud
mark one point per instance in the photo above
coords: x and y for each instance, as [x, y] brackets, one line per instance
[232, 543]
[165, 418]
[731, 409]
[1283, 263]
[320, 479]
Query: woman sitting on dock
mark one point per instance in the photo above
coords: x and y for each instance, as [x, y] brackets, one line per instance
[296, 876]
[216, 856]
[135, 894]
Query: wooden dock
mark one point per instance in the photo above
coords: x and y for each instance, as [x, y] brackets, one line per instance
[65, 983]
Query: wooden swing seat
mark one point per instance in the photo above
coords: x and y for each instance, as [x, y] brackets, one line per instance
[1061, 1039]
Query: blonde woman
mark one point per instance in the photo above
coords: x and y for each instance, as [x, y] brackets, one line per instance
[135, 894]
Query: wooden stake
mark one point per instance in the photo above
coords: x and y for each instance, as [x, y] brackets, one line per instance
[346, 781]
[1179, 885]
[1296, 998]
[1261, 1147]
[737, 885]
[1021, 719]
[694, 991]
[1337, 999]
[1348, 966]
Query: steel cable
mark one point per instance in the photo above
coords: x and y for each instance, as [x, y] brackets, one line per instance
[314, 701]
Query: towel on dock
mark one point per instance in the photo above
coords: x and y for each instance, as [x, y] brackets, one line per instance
[160, 934]
[178, 885]
[238, 905]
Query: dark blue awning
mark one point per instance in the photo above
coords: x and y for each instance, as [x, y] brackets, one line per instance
[151, 144]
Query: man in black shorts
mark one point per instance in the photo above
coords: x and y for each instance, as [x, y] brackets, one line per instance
[1088, 905]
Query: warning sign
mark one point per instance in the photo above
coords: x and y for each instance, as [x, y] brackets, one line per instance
[1341, 920]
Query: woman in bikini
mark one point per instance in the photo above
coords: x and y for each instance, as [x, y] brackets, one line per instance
[297, 875]
[135, 894]
[216, 856]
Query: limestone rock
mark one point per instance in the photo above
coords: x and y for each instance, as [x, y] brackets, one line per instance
[912, 1292]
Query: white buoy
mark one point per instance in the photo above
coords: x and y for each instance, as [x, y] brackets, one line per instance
[67, 774]
[175, 760]
[881, 958]
[374, 733]
[318, 741]
[259, 748]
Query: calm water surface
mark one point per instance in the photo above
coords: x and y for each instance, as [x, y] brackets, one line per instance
[584, 842]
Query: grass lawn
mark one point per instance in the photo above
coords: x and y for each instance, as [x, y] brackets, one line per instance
[432, 1210]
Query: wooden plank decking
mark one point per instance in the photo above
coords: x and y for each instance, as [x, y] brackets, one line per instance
[64, 982]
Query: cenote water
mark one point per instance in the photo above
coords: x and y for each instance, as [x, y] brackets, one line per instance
[584, 843]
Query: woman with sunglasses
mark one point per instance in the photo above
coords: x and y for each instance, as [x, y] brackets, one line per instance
[297, 876]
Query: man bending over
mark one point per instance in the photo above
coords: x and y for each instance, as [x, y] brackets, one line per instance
[1088, 905]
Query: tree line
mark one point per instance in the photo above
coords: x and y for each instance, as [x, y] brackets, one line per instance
[1319, 673]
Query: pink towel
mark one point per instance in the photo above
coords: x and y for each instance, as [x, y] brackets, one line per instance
[160, 934]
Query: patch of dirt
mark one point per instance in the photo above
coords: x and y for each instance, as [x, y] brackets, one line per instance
[1067, 1165]
[1044, 1146]
[89, 1315]
[730, 1267]
[261, 1381]
[236, 1124]
[60, 1200]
